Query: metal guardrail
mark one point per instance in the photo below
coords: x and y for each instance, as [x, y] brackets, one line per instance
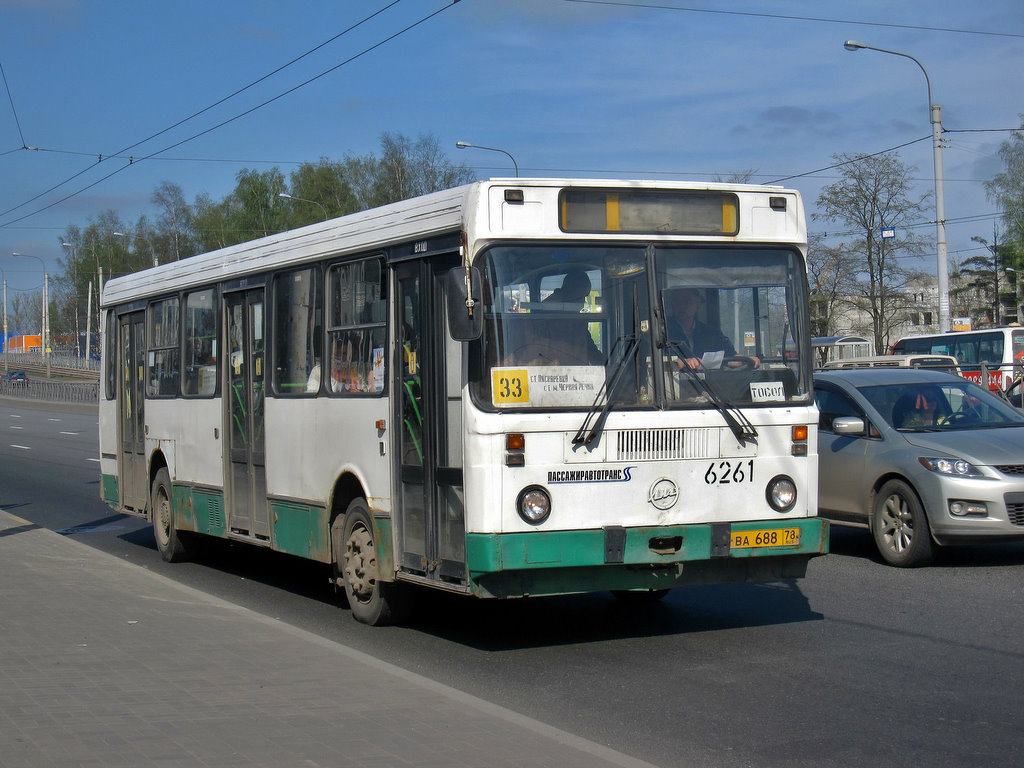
[52, 391]
[67, 360]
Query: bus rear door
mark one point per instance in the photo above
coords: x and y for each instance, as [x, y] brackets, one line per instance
[133, 477]
[428, 398]
[245, 470]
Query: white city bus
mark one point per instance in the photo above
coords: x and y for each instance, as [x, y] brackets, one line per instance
[411, 395]
[999, 350]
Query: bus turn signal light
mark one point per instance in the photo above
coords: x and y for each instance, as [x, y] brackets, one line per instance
[799, 439]
[515, 447]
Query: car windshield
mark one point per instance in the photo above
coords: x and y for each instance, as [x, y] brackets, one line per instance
[640, 326]
[939, 406]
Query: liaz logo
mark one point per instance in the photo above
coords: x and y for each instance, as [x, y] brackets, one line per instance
[663, 494]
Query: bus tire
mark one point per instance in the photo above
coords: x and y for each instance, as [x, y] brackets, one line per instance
[900, 527]
[168, 540]
[373, 601]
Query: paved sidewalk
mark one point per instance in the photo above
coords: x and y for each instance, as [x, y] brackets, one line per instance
[104, 663]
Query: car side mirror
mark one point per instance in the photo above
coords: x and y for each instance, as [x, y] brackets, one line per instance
[465, 310]
[848, 425]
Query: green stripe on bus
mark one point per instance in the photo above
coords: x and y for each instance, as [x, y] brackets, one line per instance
[492, 552]
[302, 530]
[110, 491]
[200, 511]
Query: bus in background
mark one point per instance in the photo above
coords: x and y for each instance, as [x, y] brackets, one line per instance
[485, 390]
[1000, 351]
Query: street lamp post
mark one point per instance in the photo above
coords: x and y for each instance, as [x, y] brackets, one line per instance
[286, 196]
[45, 332]
[935, 116]
[467, 145]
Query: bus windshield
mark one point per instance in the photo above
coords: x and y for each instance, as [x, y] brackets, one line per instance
[667, 326]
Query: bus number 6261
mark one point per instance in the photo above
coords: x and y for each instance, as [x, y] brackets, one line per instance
[725, 472]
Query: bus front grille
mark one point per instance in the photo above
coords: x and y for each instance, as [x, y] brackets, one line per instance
[664, 444]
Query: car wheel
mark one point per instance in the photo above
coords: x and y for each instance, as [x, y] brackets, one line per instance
[900, 526]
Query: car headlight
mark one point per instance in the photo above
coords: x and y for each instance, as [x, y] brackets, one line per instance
[533, 504]
[781, 493]
[951, 467]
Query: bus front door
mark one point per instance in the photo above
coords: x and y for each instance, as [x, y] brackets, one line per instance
[245, 470]
[427, 392]
[134, 477]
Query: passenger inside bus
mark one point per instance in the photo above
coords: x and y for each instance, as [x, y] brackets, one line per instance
[565, 340]
[694, 337]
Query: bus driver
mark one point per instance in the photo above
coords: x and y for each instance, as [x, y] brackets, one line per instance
[694, 337]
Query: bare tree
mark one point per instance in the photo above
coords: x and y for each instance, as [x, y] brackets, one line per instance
[875, 194]
[831, 275]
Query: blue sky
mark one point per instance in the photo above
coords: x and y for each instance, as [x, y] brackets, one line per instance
[616, 89]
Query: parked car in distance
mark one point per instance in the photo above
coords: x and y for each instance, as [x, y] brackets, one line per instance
[942, 362]
[920, 457]
[16, 377]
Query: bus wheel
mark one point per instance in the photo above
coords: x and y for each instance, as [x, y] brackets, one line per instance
[372, 601]
[168, 541]
[639, 596]
[900, 526]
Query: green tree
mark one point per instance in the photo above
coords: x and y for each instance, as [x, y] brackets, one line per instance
[108, 245]
[1006, 189]
[249, 212]
[984, 284]
[321, 191]
[874, 194]
[211, 223]
[174, 237]
[405, 169]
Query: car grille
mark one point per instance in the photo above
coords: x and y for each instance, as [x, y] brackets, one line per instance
[1011, 469]
[1014, 507]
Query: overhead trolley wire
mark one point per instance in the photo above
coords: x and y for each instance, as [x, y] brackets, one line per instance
[10, 98]
[786, 17]
[134, 160]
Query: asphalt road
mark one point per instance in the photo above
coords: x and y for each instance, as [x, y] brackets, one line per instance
[858, 664]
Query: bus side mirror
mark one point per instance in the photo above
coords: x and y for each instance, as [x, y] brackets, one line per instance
[465, 310]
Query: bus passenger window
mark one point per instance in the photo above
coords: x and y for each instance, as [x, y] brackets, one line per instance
[162, 358]
[199, 372]
[297, 335]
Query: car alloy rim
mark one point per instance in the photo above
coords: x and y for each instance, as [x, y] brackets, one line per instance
[897, 523]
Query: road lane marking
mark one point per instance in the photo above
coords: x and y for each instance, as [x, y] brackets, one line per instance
[67, 433]
[15, 426]
[96, 460]
[22, 447]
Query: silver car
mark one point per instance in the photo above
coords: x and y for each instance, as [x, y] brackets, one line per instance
[920, 457]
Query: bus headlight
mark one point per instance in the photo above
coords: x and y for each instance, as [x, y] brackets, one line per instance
[533, 504]
[781, 493]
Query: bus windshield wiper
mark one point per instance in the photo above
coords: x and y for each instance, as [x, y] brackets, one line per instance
[607, 390]
[738, 423]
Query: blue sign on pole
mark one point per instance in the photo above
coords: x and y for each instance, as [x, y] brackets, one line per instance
[888, 232]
